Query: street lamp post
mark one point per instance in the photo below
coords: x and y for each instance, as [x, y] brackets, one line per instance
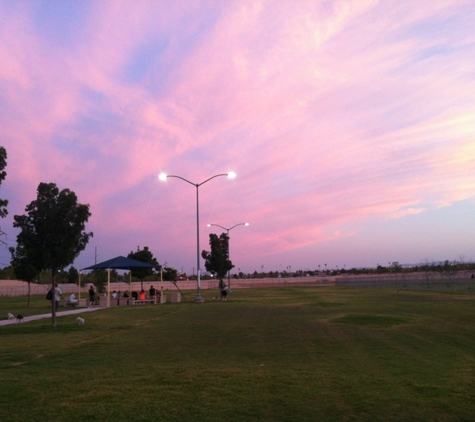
[164, 177]
[227, 231]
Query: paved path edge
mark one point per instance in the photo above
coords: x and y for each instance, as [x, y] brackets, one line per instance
[44, 316]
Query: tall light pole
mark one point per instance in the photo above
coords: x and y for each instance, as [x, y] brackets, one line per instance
[164, 177]
[228, 230]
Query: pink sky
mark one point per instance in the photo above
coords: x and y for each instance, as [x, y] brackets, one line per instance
[350, 126]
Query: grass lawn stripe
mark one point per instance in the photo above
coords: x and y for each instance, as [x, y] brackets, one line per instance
[276, 354]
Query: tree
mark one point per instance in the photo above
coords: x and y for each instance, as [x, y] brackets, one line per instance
[73, 275]
[428, 268]
[7, 273]
[450, 270]
[100, 280]
[3, 174]
[396, 267]
[170, 274]
[144, 255]
[22, 268]
[217, 260]
[52, 232]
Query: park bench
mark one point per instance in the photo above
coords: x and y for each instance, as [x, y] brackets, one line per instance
[68, 303]
[144, 301]
[80, 302]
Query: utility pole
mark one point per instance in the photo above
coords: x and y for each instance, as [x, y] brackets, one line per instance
[2, 233]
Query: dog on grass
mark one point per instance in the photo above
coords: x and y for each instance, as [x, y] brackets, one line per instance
[19, 318]
[11, 316]
[80, 321]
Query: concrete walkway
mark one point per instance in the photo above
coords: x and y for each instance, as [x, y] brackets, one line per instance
[43, 316]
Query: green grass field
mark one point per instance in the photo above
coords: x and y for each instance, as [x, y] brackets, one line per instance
[293, 354]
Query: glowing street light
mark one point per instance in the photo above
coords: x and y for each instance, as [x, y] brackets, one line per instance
[163, 177]
[228, 230]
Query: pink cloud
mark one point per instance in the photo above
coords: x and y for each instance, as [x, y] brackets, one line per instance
[332, 114]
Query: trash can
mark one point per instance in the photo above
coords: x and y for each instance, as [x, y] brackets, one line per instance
[175, 297]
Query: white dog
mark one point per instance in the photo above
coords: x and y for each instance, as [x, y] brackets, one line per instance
[11, 316]
[80, 321]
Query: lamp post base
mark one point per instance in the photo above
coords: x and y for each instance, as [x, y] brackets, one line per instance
[199, 299]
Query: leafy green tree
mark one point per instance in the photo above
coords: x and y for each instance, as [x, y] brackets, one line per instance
[7, 273]
[170, 274]
[52, 231]
[396, 267]
[100, 280]
[22, 267]
[73, 275]
[217, 260]
[143, 255]
[3, 174]
[62, 277]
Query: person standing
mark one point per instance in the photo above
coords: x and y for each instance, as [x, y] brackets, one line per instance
[92, 295]
[222, 289]
[57, 297]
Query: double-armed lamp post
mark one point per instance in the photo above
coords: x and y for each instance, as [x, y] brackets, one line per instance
[227, 231]
[164, 177]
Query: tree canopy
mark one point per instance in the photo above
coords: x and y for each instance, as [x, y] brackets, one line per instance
[22, 268]
[52, 232]
[143, 255]
[170, 274]
[217, 260]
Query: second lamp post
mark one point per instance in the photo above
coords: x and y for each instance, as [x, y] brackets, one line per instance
[227, 231]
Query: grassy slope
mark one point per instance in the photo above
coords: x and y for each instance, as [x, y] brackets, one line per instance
[297, 354]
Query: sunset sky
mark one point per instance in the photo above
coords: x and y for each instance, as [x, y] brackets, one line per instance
[350, 126]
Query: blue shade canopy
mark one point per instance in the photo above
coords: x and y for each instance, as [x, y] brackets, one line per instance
[119, 263]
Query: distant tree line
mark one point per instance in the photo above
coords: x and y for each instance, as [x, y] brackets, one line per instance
[99, 277]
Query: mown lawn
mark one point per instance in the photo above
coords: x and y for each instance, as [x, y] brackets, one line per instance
[275, 354]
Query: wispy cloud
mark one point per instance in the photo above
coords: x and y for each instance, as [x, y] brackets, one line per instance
[332, 113]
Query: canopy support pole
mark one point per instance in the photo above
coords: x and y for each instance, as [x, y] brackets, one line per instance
[108, 287]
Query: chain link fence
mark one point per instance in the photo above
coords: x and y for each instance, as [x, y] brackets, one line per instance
[462, 281]
[19, 288]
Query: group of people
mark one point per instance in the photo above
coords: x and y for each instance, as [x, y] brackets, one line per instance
[72, 300]
[137, 296]
[152, 293]
[116, 295]
[56, 297]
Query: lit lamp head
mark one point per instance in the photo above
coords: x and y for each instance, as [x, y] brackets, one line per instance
[162, 176]
[231, 175]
